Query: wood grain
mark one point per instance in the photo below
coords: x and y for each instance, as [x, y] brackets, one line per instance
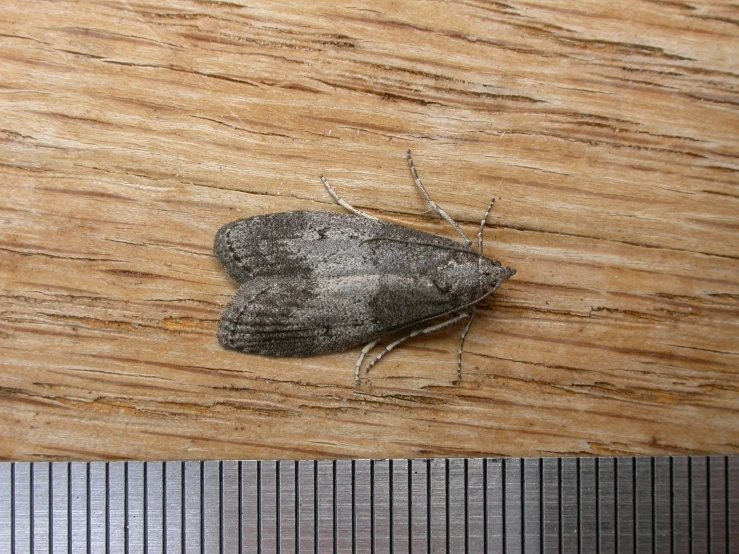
[131, 131]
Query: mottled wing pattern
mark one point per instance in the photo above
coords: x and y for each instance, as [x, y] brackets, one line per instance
[287, 316]
[318, 244]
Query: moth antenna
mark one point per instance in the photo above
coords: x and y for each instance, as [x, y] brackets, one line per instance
[365, 350]
[482, 226]
[342, 203]
[434, 206]
[473, 312]
[415, 333]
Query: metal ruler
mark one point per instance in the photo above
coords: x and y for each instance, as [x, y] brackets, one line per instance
[578, 505]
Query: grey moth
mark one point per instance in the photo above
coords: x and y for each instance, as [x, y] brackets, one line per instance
[320, 282]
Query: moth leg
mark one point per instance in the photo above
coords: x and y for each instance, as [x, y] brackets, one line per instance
[342, 203]
[434, 206]
[482, 226]
[473, 311]
[364, 352]
[415, 333]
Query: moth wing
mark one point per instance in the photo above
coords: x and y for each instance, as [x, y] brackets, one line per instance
[286, 243]
[320, 244]
[282, 317]
[296, 317]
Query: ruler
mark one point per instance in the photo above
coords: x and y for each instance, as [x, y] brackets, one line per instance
[578, 505]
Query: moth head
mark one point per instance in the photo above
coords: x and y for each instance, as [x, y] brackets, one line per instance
[468, 276]
[493, 273]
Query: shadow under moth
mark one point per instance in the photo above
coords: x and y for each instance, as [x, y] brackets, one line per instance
[320, 282]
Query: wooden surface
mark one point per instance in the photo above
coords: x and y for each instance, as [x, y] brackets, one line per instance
[131, 131]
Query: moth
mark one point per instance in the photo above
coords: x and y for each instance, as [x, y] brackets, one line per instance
[320, 282]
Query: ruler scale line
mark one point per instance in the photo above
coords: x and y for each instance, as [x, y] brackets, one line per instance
[390, 511]
[221, 508]
[334, 508]
[560, 518]
[31, 518]
[70, 511]
[653, 500]
[732, 504]
[709, 511]
[485, 504]
[597, 507]
[634, 506]
[447, 506]
[672, 504]
[145, 514]
[183, 514]
[354, 506]
[51, 505]
[315, 506]
[373, 542]
[239, 468]
[259, 508]
[727, 503]
[428, 506]
[690, 503]
[466, 506]
[522, 510]
[296, 513]
[578, 505]
[13, 524]
[126, 497]
[410, 506]
[541, 504]
[165, 510]
[504, 505]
